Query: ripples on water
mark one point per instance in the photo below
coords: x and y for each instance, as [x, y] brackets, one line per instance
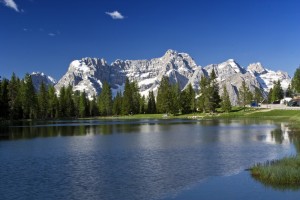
[145, 159]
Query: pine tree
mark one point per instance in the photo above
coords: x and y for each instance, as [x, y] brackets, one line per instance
[14, 98]
[76, 100]
[277, 92]
[127, 105]
[53, 104]
[43, 102]
[83, 105]
[225, 104]
[191, 93]
[62, 102]
[4, 106]
[289, 91]
[296, 81]
[93, 108]
[204, 98]
[258, 96]
[69, 102]
[142, 104]
[105, 100]
[136, 97]
[117, 104]
[165, 97]
[29, 98]
[270, 95]
[245, 96]
[185, 102]
[215, 98]
[151, 106]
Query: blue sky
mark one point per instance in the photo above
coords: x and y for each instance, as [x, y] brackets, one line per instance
[46, 35]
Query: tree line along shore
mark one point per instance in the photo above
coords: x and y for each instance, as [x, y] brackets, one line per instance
[20, 100]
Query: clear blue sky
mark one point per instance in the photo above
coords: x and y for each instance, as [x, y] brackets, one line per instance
[46, 35]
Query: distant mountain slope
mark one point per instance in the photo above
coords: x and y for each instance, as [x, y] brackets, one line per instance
[89, 74]
[38, 78]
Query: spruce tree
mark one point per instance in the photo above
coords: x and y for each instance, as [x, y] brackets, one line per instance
[151, 106]
[215, 98]
[105, 100]
[245, 96]
[296, 81]
[69, 102]
[14, 98]
[43, 102]
[136, 97]
[93, 108]
[225, 104]
[289, 91]
[4, 106]
[192, 95]
[258, 96]
[204, 98]
[83, 105]
[62, 102]
[29, 98]
[165, 97]
[277, 92]
[127, 103]
[53, 104]
[117, 104]
[185, 102]
[142, 104]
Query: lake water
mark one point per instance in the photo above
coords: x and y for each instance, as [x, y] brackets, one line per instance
[141, 159]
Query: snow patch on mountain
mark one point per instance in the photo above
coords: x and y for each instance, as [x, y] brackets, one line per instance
[39, 77]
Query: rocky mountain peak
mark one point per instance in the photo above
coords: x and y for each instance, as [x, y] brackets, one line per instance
[39, 77]
[257, 68]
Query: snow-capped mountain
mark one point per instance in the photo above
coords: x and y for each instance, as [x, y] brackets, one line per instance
[89, 74]
[267, 77]
[38, 78]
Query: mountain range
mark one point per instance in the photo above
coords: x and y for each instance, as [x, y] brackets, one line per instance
[89, 74]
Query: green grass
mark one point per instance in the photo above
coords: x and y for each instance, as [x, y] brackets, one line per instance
[282, 174]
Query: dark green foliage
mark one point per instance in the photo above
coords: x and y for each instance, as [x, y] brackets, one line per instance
[14, 98]
[28, 98]
[289, 91]
[127, 107]
[83, 105]
[136, 98]
[203, 99]
[142, 105]
[167, 97]
[296, 81]
[215, 98]
[105, 100]
[53, 104]
[151, 108]
[117, 104]
[258, 96]
[277, 92]
[69, 102]
[225, 104]
[43, 102]
[187, 100]
[245, 95]
[270, 96]
[4, 106]
[93, 108]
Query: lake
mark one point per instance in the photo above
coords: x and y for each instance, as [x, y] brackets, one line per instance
[140, 159]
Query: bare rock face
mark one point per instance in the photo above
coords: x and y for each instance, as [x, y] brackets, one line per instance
[39, 78]
[89, 74]
[267, 77]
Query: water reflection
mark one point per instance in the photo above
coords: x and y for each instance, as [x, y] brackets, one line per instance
[143, 159]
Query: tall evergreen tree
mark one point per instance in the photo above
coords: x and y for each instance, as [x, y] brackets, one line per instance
[105, 100]
[136, 97]
[289, 91]
[43, 102]
[277, 92]
[165, 97]
[53, 104]
[4, 106]
[142, 104]
[69, 102]
[29, 98]
[151, 106]
[83, 106]
[127, 105]
[258, 96]
[62, 102]
[204, 98]
[245, 96]
[215, 98]
[296, 81]
[93, 108]
[117, 104]
[270, 95]
[14, 98]
[192, 95]
[225, 104]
